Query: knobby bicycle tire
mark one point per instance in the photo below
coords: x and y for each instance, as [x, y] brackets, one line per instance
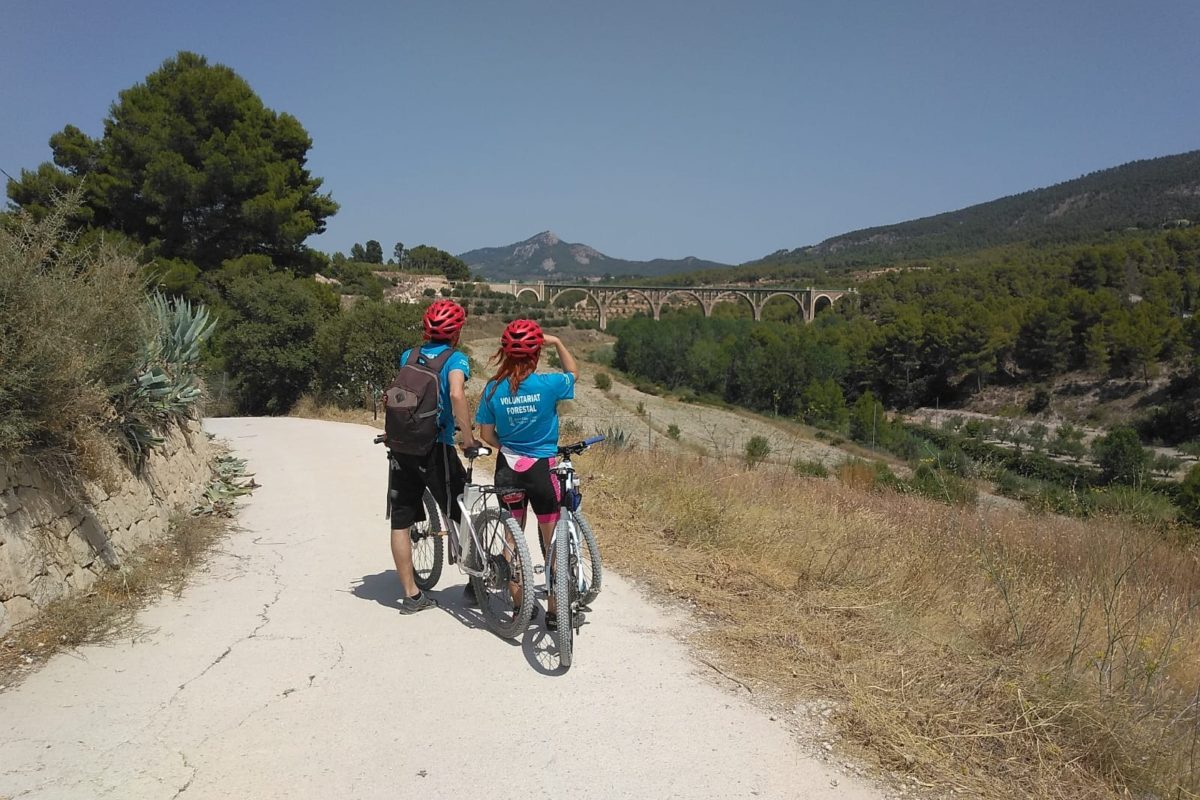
[593, 550]
[427, 546]
[564, 633]
[503, 621]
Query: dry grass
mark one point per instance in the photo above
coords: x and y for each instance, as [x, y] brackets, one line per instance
[108, 608]
[309, 407]
[71, 329]
[991, 652]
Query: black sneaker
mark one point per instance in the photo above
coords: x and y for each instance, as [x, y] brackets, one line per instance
[470, 596]
[551, 621]
[411, 605]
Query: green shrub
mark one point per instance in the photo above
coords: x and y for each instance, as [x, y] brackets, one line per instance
[603, 381]
[757, 450]
[602, 355]
[357, 351]
[647, 387]
[810, 469]
[1165, 465]
[1121, 457]
[1052, 499]
[673, 432]
[1189, 495]
[641, 408]
[942, 486]
[429, 292]
[269, 342]
[1137, 504]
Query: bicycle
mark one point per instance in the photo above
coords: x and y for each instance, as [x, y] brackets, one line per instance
[496, 556]
[576, 572]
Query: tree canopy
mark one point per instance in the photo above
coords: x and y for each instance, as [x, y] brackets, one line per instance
[192, 164]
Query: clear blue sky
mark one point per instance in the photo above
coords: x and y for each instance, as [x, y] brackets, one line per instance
[645, 128]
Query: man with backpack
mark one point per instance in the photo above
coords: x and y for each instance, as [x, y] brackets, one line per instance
[424, 404]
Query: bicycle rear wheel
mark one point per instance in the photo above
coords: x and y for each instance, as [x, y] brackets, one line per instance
[590, 565]
[506, 566]
[564, 633]
[427, 546]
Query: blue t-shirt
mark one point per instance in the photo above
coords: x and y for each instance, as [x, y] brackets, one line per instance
[527, 420]
[459, 362]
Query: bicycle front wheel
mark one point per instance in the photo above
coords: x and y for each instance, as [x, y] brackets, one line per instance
[427, 546]
[564, 633]
[504, 592]
[590, 566]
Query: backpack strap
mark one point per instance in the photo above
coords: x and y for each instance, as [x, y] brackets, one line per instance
[436, 363]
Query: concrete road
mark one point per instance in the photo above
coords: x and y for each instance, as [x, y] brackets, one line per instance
[285, 671]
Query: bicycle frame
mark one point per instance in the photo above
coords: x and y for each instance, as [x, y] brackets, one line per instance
[564, 472]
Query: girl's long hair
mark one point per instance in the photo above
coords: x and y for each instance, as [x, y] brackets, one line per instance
[513, 369]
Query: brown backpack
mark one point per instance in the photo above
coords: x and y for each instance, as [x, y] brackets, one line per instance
[413, 402]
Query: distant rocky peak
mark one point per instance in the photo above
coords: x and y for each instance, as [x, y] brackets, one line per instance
[547, 238]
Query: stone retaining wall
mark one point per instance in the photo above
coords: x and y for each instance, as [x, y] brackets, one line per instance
[53, 544]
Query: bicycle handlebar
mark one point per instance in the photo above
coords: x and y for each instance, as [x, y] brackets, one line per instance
[481, 451]
[579, 447]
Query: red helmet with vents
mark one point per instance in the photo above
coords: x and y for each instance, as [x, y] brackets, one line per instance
[443, 319]
[522, 338]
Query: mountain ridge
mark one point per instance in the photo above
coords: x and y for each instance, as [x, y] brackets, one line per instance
[1142, 194]
[546, 256]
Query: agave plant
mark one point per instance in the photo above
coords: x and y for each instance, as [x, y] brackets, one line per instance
[165, 388]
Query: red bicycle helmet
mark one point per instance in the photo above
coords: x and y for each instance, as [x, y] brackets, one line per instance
[443, 319]
[522, 338]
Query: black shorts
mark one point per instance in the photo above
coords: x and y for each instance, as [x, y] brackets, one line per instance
[410, 475]
[539, 487]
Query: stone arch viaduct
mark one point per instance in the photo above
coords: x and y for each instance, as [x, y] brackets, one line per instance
[603, 296]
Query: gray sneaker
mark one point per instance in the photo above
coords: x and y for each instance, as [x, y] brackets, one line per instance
[411, 605]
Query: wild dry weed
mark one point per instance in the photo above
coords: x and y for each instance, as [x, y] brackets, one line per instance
[984, 650]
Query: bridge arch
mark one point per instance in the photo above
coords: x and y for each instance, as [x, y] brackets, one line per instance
[749, 301]
[818, 306]
[654, 306]
[704, 309]
[528, 290]
[795, 297]
[588, 294]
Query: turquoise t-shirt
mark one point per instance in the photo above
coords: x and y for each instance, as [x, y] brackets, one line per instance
[527, 420]
[459, 362]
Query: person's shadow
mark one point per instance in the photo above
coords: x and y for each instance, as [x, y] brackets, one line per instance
[382, 587]
[536, 644]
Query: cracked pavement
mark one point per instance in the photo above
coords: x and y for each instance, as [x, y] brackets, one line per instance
[284, 670]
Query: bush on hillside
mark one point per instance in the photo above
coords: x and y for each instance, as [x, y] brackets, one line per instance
[70, 337]
[1121, 457]
[89, 366]
[603, 381]
[757, 450]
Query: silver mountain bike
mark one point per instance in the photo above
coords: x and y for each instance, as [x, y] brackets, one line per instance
[575, 570]
[487, 545]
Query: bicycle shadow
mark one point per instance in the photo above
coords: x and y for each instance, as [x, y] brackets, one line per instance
[537, 645]
[452, 601]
